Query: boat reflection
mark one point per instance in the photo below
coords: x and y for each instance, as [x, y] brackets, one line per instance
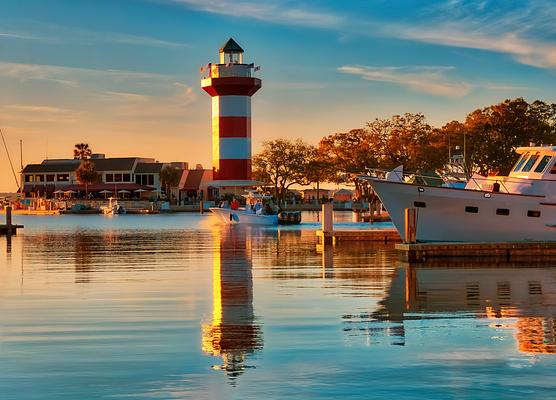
[233, 333]
[522, 299]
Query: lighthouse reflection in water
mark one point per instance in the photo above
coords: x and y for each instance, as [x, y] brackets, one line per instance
[233, 335]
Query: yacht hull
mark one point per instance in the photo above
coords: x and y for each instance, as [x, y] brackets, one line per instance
[459, 215]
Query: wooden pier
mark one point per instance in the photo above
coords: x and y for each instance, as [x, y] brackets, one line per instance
[8, 228]
[370, 235]
[329, 235]
[507, 251]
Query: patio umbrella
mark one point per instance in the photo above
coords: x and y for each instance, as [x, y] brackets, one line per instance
[123, 192]
[70, 192]
[105, 192]
[140, 190]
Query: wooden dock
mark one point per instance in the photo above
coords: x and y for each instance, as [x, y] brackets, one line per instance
[8, 228]
[365, 235]
[507, 251]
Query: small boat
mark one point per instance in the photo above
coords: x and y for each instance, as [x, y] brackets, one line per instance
[257, 211]
[514, 208]
[113, 208]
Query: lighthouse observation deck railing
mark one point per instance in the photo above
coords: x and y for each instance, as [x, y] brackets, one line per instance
[228, 70]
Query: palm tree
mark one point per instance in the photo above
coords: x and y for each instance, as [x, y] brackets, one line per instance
[82, 151]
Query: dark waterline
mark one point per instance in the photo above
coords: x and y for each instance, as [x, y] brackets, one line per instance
[179, 306]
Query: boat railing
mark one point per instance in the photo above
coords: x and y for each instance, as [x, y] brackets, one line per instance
[446, 180]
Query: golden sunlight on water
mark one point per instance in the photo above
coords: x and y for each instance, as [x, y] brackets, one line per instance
[182, 307]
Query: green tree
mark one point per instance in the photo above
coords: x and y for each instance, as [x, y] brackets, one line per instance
[282, 163]
[170, 178]
[82, 151]
[87, 174]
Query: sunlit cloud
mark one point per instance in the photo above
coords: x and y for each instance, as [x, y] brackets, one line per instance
[427, 79]
[275, 12]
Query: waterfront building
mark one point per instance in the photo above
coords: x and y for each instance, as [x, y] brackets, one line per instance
[230, 84]
[117, 173]
[194, 185]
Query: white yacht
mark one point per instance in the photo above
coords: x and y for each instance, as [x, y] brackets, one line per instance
[518, 207]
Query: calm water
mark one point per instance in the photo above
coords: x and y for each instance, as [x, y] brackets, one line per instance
[181, 307]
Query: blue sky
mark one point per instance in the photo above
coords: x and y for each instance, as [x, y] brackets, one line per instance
[123, 75]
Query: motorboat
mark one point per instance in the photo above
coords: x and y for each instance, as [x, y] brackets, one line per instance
[256, 211]
[518, 207]
[113, 208]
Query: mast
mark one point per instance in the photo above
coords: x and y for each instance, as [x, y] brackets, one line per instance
[9, 159]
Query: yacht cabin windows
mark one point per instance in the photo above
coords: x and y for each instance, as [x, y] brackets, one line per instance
[530, 162]
[521, 161]
[543, 163]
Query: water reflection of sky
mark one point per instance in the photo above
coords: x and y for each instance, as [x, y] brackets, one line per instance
[182, 307]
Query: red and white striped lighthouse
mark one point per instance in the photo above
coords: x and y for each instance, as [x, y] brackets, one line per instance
[230, 84]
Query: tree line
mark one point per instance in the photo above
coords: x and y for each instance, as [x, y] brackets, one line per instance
[487, 140]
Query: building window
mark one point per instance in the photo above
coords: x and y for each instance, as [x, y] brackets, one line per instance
[39, 178]
[151, 180]
[420, 204]
[126, 178]
[471, 209]
[534, 213]
[117, 177]
[29, 178]
[109, 177]
[502, 211]
[50, 178]
[63, 177]
[138, 179]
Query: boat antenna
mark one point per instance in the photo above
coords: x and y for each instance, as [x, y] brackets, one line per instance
[9, 158]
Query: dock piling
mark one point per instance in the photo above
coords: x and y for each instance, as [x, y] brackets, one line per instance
[327, 224]
[410, 225]
[9, 217]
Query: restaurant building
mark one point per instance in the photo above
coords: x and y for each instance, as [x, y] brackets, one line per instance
[132, 174]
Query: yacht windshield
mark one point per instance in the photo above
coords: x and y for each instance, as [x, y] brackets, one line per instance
[521, 161]
[530, 162]
[543, 163]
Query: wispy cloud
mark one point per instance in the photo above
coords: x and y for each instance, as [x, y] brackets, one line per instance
[59, 34]
[124, 96]
[525, 31]
[72, 76]
[427, 79]
[275, 12]
[32, 113]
